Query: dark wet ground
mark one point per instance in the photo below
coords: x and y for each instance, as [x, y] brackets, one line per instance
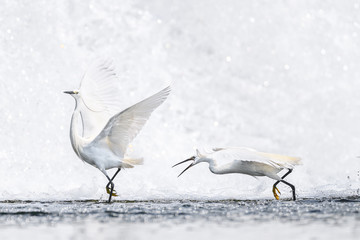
[332, 211]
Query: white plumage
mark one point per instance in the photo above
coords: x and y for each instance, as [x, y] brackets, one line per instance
[100, 137]
[246, 161]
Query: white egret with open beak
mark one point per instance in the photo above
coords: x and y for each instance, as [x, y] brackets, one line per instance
[246, 161]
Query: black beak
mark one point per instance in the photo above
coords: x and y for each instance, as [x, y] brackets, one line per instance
[192, 164]
[69, 92]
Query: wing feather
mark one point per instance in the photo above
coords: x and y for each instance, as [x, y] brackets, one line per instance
[122, 128]
[99, 97]
[251, 155]
[99, 87]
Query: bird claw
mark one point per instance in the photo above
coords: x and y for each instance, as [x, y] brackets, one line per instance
[275, 194]
[108, 190]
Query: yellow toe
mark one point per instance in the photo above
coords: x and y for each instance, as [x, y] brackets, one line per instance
[108, 190]
[275, 193]
[277, 190]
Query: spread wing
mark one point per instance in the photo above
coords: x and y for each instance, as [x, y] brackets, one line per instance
[251, 155]
[99, 97]
[99, 87]
[122, 128]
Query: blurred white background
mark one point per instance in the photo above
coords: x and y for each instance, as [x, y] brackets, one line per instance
[277, 76]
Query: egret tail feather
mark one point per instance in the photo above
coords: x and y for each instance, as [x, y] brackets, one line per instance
[134, 161]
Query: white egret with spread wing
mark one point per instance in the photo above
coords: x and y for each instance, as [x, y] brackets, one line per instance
[247, 161]
[99, 132]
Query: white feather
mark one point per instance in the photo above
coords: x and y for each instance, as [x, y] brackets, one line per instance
[99, 87]
[99, 97]
[223, 155]
[122, 128]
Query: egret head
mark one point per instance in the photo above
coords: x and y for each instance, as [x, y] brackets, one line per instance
[71, 92]
[74, 94]
[194, 160]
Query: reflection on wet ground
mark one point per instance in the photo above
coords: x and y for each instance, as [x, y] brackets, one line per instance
[304, 211]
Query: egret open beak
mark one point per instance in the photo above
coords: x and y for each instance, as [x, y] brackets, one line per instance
[189, 159]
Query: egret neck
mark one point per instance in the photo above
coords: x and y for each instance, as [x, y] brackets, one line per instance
[214, 168]
[75, 137]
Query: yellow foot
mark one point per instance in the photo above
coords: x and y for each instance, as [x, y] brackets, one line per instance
[108, 190]
[275, 194]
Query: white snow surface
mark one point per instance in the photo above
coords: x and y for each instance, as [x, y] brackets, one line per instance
[277, 76]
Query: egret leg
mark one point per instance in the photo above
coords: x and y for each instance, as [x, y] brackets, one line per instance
[111, 191]
[292, 187]
[277, 182]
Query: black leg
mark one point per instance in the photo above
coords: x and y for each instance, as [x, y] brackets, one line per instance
[277, 182]
[112, 184]
[110, 180]
[111, 191]
[292, 186]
